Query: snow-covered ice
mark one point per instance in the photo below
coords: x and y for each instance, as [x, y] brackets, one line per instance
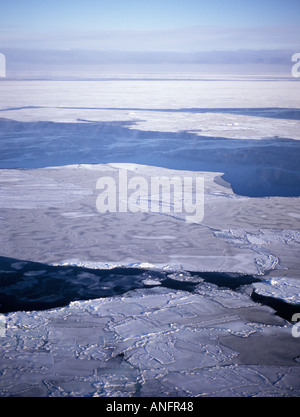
[248, 108]
[286, 289]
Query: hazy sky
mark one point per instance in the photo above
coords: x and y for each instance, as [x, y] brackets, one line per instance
[172, 25]
[145, 14]
[63, 36]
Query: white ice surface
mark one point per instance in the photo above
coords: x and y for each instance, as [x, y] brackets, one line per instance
[285, 289]
[150, 343]
[129, 100]
[31, 192]
[50, 215]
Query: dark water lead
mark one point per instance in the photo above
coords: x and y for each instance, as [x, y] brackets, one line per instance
[28, 286]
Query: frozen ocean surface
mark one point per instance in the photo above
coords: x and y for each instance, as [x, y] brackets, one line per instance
[158, 342]
[144, 303]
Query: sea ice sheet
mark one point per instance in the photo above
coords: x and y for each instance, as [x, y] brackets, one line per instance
[147, 342]
[50, 216]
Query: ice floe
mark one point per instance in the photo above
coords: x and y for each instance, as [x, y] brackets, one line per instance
[286, 289]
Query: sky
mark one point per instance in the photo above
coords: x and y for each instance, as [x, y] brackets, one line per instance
[145, 14]
[177, 26]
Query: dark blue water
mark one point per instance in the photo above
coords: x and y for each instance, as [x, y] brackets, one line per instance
[268, 167]
[27, 286]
